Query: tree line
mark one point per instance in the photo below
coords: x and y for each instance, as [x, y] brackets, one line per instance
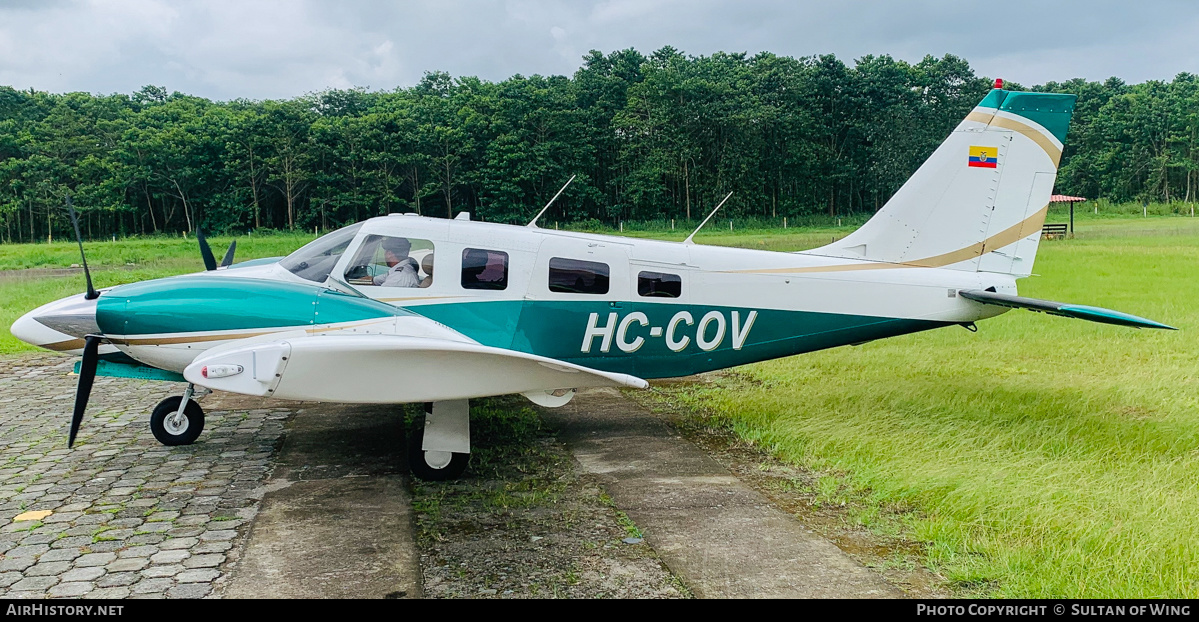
[649, 138]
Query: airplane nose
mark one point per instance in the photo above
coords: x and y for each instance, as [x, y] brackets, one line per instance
[27, 329]
[60, 325]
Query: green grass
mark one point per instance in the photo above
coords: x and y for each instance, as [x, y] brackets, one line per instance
[164, 252]
[1103, 208]
[1044, 457]
[111, 263]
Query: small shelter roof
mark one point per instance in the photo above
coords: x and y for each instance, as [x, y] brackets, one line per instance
[1065, 198]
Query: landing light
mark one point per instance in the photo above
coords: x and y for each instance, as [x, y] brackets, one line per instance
[221, 371]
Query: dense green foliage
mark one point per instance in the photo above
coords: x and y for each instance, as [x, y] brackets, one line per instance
[651, 138]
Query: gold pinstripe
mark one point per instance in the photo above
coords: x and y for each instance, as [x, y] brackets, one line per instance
[159, 341]
[1012, 234]
[415, 298]
[980, 117]
[1007, 123]
[62, 346]
[1037, 137]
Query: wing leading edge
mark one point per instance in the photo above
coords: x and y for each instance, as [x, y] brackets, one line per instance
[388, 369]
[1082, 312]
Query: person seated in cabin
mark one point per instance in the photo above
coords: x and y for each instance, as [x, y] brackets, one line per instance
[401, 269]
[426, 264]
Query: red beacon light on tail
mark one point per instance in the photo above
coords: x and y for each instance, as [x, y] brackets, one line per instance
[998, 83]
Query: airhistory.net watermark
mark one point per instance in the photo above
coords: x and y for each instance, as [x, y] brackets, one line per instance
[64, 610]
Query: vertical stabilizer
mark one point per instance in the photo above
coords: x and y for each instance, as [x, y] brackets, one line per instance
[979, 201]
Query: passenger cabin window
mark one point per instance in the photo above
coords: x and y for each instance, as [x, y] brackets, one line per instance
[659, 285]
[575, 276]
[314, 261]
[484, 269]
[391, 261]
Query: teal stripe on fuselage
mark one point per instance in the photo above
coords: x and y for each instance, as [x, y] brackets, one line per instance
[203, 303]
[556, 330]
[547, 328]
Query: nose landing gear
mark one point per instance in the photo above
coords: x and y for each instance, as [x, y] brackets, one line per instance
[178, 420]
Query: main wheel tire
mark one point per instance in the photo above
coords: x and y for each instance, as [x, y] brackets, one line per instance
[433, 466]
[186, 431]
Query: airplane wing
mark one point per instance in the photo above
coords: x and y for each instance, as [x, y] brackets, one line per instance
[387, 369]
[1082, 312]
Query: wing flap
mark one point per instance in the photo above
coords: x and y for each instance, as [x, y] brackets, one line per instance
[387, 369]
[1082, 312]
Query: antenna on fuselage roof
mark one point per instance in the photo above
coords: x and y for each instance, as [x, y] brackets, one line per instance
[701, 225]
[533, 223]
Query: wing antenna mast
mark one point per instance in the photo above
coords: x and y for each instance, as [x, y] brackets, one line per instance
[701, 225]
[533, 223]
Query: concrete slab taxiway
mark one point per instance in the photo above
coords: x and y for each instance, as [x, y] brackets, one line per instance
[337, 522]
[721, 537]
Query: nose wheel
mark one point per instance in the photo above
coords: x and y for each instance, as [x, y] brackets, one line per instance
[177, 420]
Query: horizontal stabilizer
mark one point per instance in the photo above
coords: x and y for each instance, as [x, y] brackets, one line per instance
[1082, 312]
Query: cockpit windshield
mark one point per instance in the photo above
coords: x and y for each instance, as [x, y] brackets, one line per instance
[315, 260]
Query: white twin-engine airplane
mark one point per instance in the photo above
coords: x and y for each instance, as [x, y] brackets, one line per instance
[407, 309]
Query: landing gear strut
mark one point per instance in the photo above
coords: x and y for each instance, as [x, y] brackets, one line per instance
[178, 420]
[439, 448]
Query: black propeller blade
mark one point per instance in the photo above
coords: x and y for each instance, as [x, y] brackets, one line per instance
[91, 294]
[87, 375]
[205, 251]
[228, 260]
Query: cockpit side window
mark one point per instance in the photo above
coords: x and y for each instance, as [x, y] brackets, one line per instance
[391, 261]
[315, 260]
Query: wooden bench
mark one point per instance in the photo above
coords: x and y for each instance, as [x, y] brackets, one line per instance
[1054, 231]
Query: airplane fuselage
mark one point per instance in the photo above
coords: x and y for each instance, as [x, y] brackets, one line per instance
[647, 308]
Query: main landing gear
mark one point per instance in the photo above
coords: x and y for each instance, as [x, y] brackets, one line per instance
[439, 447]
[178, 420]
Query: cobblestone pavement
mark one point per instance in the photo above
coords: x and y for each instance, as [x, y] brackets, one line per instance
[128, 517]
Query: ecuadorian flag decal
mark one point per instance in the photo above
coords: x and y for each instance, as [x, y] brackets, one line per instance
[984, 157]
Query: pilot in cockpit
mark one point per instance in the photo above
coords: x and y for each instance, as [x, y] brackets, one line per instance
[402, 269]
